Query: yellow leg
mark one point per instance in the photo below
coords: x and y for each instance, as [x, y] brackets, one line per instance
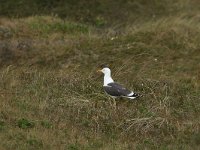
[114, 103]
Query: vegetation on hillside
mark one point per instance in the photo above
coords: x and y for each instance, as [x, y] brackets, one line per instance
[52, 98]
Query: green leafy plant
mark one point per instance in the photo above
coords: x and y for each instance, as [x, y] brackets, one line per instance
[25, 124]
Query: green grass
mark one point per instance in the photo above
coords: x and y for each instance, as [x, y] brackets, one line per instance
[52, 98]
[24, 123]
[53, 25]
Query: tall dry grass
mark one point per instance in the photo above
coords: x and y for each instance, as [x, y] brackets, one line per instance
[52, 98]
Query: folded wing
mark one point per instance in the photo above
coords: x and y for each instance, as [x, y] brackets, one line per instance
[115, 89]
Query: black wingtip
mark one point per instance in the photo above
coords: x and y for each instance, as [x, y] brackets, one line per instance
[136, 95]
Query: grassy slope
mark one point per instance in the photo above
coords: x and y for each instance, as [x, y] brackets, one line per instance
[51, 96]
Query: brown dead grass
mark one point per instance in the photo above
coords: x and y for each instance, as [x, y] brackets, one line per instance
[52, 78]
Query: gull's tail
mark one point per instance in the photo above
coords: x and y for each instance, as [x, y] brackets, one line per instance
[133, 95]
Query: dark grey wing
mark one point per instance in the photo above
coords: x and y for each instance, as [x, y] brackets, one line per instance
[115, 89]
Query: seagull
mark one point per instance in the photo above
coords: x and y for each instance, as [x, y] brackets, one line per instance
[114, 89]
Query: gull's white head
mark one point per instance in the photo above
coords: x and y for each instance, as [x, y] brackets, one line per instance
[106, 71]
[107, 75]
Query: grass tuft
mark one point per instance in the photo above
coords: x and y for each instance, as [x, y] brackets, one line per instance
[25, 124]
[46, 124]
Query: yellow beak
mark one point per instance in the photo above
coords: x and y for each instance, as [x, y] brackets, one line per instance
[99, 70]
